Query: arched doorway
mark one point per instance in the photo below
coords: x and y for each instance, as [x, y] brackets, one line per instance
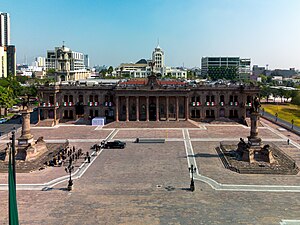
[222, 112]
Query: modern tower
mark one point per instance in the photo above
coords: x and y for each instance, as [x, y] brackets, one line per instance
[4, 29]
[158, 57]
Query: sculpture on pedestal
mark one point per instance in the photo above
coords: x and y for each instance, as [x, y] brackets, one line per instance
[254, 150]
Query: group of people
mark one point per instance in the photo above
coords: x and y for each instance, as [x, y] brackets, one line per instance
[97, 147]
[63, 154]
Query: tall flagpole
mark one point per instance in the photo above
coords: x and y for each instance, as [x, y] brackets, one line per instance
[13, 147]
[12, 195]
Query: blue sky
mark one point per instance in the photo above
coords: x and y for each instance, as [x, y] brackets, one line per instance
[115, 31]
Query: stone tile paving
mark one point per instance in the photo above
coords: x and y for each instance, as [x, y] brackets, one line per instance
[211, 166]
[148, 134]
[120, 188]
[49, 173]
[70, 132]
[153, 124]
[229, 132]
[288, 134]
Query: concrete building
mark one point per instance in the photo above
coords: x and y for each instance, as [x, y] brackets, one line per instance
[158, 58]
[4, 29]
[41, 61]
[143, 68]
[242, 65]
[86, 61]
[148, 99]
[287, 73]
[11, 60]
[69, 65]
[3, 62]
[257, 70]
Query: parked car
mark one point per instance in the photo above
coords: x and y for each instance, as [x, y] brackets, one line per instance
[3, 120]
[115, 144]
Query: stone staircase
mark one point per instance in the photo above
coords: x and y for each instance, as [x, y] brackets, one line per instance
[46, 123]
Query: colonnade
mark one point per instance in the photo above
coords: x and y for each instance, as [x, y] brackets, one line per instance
[157, 107]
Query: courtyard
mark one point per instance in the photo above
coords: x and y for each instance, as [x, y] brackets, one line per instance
[149, 183]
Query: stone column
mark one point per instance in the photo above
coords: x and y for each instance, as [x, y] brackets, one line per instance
[186, 108]
[147, 108]
[127, 108]
[253, 138]
[157, 108]
[167, 105]
[117, 108]
[26, 136]
[137, 108]
[177, 108]
[54, 114]
[39, 113]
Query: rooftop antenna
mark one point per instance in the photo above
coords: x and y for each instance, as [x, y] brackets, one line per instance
[157, 41]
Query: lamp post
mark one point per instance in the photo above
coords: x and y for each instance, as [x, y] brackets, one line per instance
[292, 121]
[69, 170]
[192, 170]
[276, 115]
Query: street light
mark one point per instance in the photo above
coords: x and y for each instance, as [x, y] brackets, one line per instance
[292, 124]
[276, 115]
[192, 170]
[69, 170]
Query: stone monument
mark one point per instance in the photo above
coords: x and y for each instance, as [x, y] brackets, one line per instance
[254, 150]
[27, 149]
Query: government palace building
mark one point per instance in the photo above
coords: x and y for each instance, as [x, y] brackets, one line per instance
[148, 99]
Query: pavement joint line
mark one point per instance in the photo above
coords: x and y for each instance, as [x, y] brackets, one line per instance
[112, 134]
[281, 135]
[231, 187]
[44, 186]
[289, 222]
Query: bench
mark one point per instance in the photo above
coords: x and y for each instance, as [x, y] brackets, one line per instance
[150, 140]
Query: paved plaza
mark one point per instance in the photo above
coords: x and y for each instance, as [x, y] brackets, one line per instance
[149, 183]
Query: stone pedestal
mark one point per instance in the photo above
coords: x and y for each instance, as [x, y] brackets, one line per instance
[254, 150]
[26, 137]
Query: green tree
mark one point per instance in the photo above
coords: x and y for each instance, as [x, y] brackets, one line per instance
[274, 93]
[22, 79]
[265, 92]
[296, 99]
[281, 93]
[6, 99]
[50, 71]
[110, 70]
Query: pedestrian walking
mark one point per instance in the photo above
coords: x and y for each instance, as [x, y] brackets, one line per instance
[288, 141]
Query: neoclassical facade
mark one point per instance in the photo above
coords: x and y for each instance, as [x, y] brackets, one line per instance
[145, 100]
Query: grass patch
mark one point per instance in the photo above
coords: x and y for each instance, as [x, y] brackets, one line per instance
[285, 112]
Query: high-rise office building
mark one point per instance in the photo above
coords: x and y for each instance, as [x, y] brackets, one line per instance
[3, 62]
[4, 29]
[226, 66]
[11, 60]
[86, 61]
